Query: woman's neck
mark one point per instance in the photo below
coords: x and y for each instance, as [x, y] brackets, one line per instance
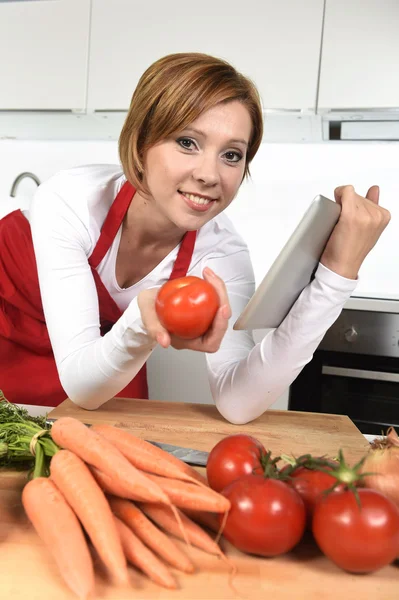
[149, 227]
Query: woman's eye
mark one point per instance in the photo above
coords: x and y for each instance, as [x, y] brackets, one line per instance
[233, 156]
[186, 143]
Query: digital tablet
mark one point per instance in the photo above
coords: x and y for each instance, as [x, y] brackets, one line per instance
[293, 268]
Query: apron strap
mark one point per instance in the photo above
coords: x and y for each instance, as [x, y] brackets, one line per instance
[113, 221]
[183, 259]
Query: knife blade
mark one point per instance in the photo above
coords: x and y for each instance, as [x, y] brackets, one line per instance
[191, 456]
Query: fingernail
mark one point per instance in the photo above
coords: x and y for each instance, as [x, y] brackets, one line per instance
[209, 272]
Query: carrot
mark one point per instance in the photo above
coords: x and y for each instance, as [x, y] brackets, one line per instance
[73, 478]
[150, 535]
[110, 485]
[207, 519]
[191, 496]
[162, 516]
[99, 452]
[139, 555]
[211, 521]
[147, 457]
[60, 530]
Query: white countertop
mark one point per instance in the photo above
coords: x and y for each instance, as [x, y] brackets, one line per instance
[371, 437]
[373, 303]
[36, 411]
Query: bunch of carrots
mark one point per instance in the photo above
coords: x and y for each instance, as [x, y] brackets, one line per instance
[112, 492]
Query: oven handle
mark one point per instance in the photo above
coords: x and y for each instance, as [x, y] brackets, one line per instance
[361, 374]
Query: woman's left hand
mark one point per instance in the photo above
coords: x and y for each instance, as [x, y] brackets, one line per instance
[359, 227]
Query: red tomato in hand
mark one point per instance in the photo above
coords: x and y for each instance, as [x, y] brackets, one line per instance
[187, 306]
[310, 485]
[357, 539]
[232, 457]
[266, 518]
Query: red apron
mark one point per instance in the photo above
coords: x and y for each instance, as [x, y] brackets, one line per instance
[28, 373]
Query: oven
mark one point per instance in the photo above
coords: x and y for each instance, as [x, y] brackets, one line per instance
[355, 369]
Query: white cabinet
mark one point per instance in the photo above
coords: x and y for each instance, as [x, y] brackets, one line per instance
[44, 53]
[277, 44]
[360, 57]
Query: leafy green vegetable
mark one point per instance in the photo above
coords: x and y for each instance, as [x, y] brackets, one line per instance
[11, 413]
[25, 441]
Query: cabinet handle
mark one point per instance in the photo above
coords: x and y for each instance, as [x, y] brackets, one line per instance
[361, 374]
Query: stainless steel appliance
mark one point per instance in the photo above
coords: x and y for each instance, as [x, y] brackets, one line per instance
[355, 370]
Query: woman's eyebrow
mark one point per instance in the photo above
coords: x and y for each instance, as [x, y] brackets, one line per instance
[202, 134]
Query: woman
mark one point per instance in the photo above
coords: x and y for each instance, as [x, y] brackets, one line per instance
[100, 240]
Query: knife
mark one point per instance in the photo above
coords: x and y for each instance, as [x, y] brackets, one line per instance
[198, 458]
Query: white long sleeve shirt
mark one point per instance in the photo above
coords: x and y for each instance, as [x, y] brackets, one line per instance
[245, 378]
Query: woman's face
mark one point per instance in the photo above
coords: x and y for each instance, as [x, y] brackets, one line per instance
[195, 173]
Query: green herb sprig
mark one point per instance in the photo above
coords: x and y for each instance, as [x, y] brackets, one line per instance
[25, 441]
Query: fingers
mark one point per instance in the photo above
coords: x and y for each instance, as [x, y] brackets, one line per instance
[373, 194]
[146, 303]
[215, 334]
[359, 227]
[220, 288]
[163, 338]
[210, 342]
[338, 192]
[359, 208]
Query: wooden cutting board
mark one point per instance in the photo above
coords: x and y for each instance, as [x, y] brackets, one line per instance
[201, 426]
[28, 571]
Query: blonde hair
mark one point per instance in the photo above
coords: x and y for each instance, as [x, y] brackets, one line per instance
[171, 94]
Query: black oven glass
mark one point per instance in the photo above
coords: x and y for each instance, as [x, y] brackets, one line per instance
[365, 388]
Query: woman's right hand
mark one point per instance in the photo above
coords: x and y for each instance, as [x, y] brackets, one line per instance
[209, 342]
[359, 227]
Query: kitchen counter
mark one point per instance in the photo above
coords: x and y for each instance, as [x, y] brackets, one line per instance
[43, 410]
[27, 570]
[373, 303]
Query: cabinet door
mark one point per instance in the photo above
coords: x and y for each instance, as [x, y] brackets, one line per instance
[44, 53]
[277, 44]
[360, 55]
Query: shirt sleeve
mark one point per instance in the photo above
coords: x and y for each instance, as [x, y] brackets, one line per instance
[92, 368]
[247, 378]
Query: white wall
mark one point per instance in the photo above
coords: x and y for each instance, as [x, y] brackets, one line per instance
[44, 158]
[285, 178]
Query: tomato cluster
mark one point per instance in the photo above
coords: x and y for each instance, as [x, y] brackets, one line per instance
[271, 507]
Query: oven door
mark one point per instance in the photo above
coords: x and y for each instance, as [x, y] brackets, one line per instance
[366, 388]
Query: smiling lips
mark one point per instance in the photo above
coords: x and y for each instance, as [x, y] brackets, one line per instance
[196, 202]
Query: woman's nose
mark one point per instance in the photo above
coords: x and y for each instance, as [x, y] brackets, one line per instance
[206, 171]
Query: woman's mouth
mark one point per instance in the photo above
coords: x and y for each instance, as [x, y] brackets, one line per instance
[197, 202]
